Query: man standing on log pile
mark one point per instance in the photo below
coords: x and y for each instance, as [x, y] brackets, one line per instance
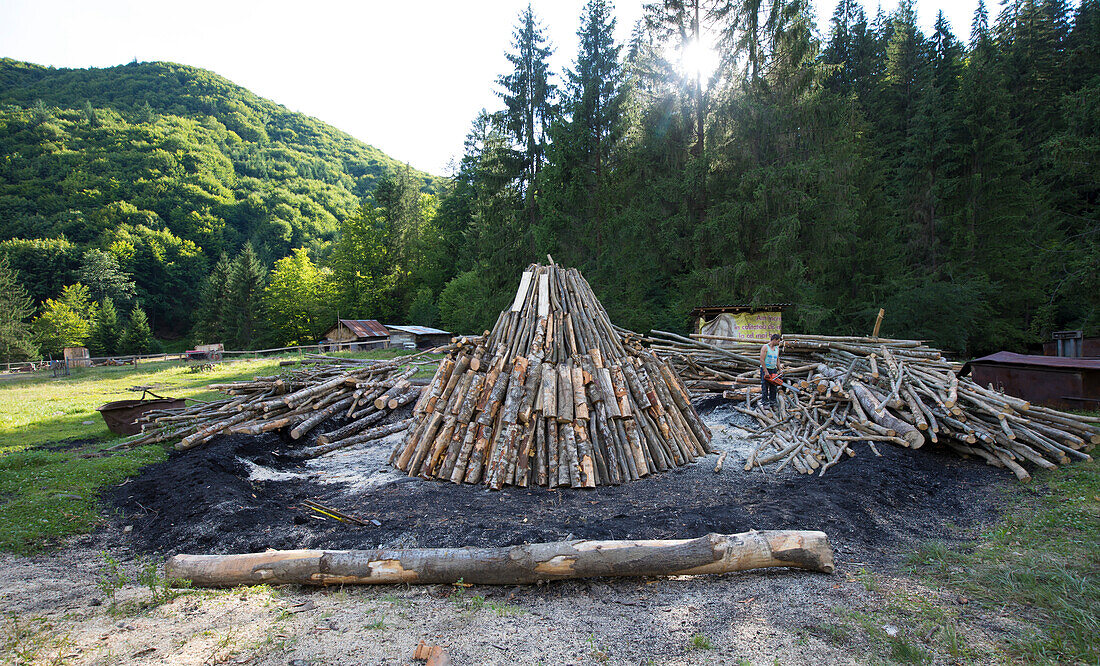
[769, 364]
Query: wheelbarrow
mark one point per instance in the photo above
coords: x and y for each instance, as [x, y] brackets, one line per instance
[121, 415]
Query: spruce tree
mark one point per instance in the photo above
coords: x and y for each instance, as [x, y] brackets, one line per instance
[212, 320]
[580, 157]
[138, 338]
[1031, 38]
[529, 97]
[245, 288]
[994, 239]
[1082, 45]
[108, 332]
[403, 215]
[843, 43]
[16, 339]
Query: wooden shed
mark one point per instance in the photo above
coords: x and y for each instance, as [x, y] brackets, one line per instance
[78, 357]
[422, 337]
[355, 334]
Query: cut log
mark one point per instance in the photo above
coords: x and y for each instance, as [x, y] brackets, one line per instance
[523, 564]
[887, 420]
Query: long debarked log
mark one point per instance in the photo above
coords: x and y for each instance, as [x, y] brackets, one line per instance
[529, 563]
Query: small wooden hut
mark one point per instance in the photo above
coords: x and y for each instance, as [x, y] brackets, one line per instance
[355, 334]
[78, 357]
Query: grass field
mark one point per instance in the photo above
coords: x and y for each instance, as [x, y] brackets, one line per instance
[52, 460]
[1040, 562]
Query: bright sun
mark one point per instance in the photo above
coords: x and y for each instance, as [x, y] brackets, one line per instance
[696, 57]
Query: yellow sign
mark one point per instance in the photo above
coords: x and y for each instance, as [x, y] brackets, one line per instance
[750, 326]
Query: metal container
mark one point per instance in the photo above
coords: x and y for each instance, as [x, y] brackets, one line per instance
[121, 415]
[1063, 383]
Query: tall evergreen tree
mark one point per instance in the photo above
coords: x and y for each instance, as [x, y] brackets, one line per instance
[842, 48]
[584, 142]
[1082, 45]
[993, 250]
[407, 215]
[16, 340]
[529, 96]
[1031, 36]
[245, 286]
[108, 331]
[213, 317]
[138, 338]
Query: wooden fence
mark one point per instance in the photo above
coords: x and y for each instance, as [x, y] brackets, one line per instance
[134, 359]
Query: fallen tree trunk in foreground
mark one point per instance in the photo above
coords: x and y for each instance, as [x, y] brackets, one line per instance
[529, 563]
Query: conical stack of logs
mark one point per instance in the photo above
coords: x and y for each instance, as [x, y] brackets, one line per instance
[552, 396]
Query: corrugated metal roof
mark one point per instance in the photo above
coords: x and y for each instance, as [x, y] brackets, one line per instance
[1041, 361]
[366, 328]
[417, 330]
[704, 310]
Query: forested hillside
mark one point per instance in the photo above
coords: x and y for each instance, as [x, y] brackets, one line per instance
[953, 181]
[165, 167]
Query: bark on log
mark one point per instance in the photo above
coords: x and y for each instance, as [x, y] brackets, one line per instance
[887, 420]
[524, 564]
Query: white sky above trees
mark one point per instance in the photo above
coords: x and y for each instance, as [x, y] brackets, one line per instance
[406, 77]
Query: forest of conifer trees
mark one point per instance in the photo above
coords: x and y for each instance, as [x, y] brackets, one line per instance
[953, 182]
[951, 178]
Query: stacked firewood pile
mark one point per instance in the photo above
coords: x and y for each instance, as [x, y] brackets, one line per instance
[554, 395]
[842, 390]
[362, 393]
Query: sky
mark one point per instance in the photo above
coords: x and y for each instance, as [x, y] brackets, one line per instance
[406, 77]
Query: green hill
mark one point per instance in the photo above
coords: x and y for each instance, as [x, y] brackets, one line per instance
[167, 166]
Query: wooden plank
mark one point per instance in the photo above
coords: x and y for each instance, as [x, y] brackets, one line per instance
[544, 295]
[521, 293]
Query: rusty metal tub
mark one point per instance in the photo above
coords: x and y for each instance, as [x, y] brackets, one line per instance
[121, 415]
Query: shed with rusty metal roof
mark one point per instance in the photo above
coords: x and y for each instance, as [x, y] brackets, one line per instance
[356, 334]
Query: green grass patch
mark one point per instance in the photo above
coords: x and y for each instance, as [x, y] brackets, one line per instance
[1042, 561]
[48, 494]
[53, 465]
[700, 642]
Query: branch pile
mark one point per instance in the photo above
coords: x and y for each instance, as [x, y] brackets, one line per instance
[843, 390]
[361, 392]
[554, 396]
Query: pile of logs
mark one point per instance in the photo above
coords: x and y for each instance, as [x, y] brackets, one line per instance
[842, 390]
[362, 393]
[555, 395]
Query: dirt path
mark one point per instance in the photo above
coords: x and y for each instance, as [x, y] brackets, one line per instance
[786, 617]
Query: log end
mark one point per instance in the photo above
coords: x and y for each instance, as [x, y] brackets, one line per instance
[804, 549]
[915, 438]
